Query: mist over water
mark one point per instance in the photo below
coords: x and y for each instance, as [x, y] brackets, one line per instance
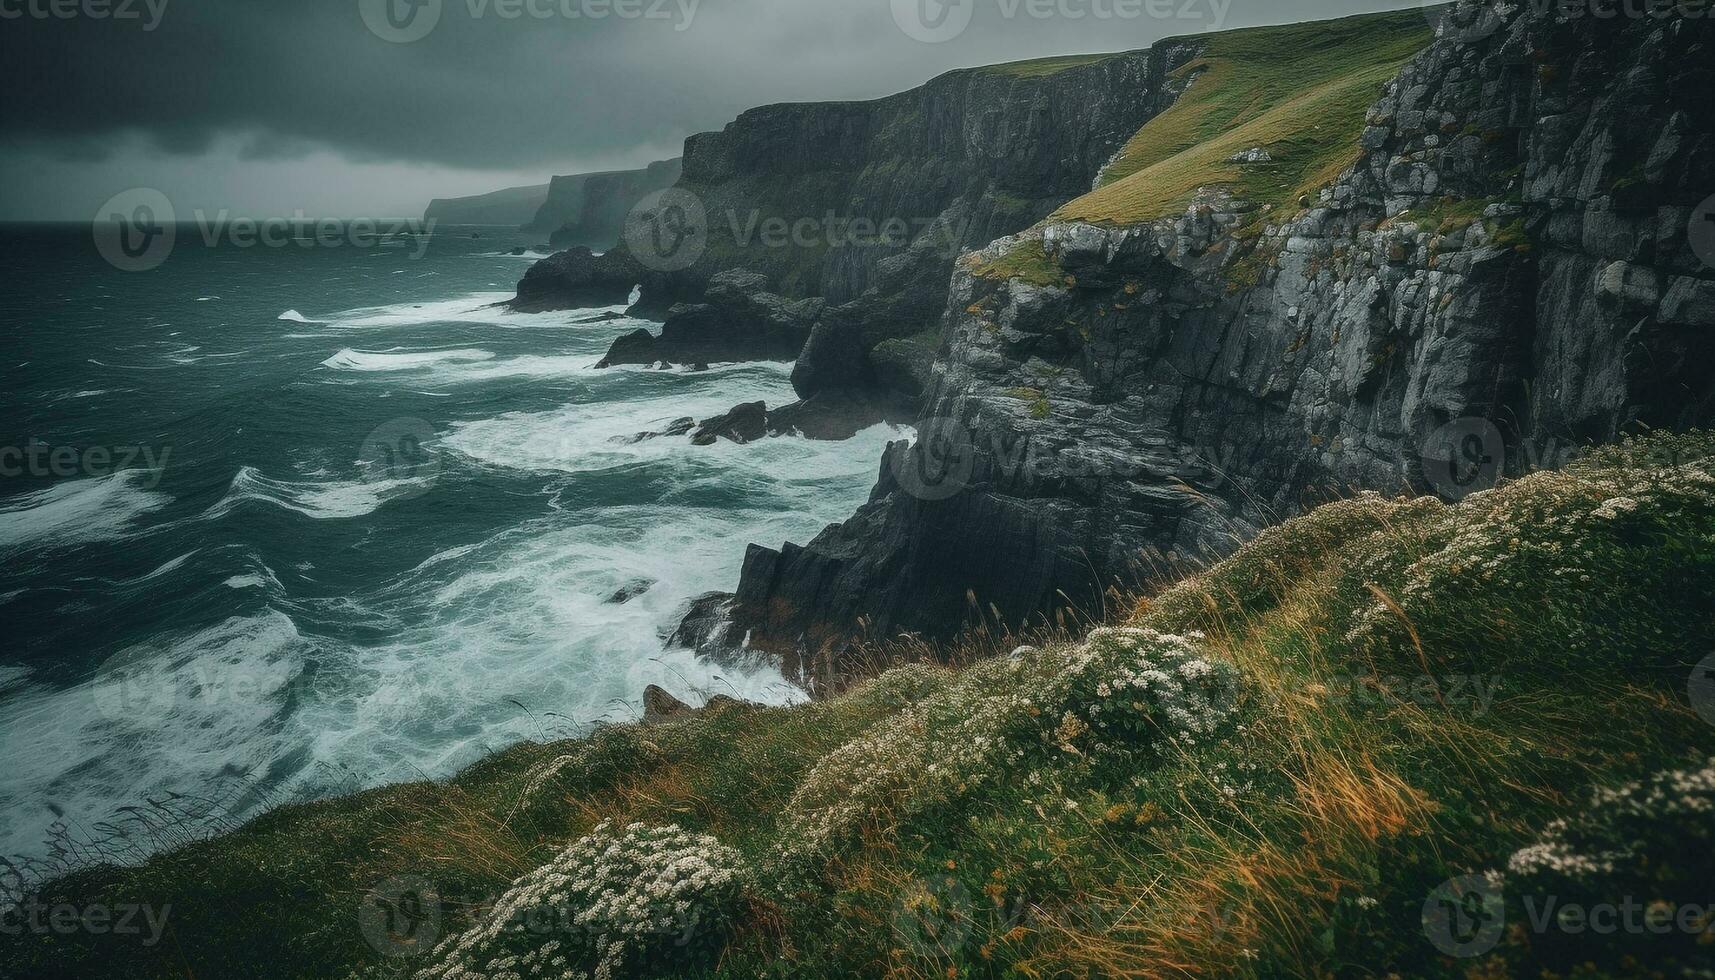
[289, 620]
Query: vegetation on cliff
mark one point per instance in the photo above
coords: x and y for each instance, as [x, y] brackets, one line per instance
[1298, 93]
[1300, 762]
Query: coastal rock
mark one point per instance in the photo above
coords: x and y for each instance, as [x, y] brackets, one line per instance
[578, 278]
[1174, 386]
[745, 423]
[659, 706]
[630, 591]
[738, 320]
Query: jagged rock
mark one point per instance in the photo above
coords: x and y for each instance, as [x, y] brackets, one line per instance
[630, 591]
[578, 278]
[1634, 287]
[745, 423]
[705, 625]
[660, 707]
[738, 320]
[678, 427]
[1156, 412]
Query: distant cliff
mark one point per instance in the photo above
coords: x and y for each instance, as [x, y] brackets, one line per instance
[866, 205]
[513, 206]
[590, 209]
[1307, 277]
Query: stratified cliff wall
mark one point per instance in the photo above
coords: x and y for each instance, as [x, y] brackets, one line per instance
[1517, 265]
[1008, 144]
[590, 209]
[867, 205]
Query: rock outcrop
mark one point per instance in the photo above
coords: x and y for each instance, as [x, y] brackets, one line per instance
[1508, 271]
[739, 319]
[578, 278]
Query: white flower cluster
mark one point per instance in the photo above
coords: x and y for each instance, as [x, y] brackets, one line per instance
[1126, 683]
[1628, 829]
[608, 901]
[1555, 535]
[1122, 691]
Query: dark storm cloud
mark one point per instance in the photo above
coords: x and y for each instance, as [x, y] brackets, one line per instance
[505, 85]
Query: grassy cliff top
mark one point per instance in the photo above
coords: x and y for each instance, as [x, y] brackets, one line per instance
[1299, 92]
[1043, 67]
[1272, 769]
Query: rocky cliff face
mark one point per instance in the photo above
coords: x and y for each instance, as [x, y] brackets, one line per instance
[1521, 261]
[512, 206]
[868, 204]
[590, 209]
[855, 183]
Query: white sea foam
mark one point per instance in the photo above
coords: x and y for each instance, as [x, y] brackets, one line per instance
[578, 439]
[399, 359]
[483, 307]
[213, 703]
[322, 500]
[78, 512]
[293, 316]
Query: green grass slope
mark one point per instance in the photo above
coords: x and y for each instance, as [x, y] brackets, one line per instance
[1294, 764]
[1300, 92]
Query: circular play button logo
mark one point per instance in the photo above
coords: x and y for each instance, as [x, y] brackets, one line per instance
[933, 21]
[134, 230]
[400, 21]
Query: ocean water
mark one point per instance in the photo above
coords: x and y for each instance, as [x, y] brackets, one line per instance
[291, 521]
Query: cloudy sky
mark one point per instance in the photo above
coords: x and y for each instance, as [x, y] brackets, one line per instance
[371, 107]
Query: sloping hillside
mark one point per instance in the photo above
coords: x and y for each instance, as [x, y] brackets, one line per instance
[1293, 764]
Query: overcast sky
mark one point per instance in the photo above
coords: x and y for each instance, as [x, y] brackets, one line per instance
[337, 107]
